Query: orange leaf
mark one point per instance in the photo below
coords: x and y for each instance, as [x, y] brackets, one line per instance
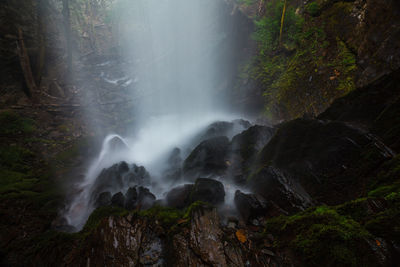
[180, 221]
[378, 243]
[241, 236]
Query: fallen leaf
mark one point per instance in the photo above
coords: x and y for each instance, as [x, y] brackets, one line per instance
[378, 243]
[241, 235]
[180, 221]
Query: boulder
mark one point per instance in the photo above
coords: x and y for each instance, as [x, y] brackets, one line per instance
[131, 197]
[283, 193]
[208, 190]
[138, 175]
[118, 200]
[207, 159]
[145, 198]
[250, 206]
[110, 179]
[173, 171]
[245, 147]
[179, 197]
[221, 128]
[313, 159]
[104, 199]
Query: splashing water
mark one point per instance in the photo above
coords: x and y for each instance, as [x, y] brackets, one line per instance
[174, 47]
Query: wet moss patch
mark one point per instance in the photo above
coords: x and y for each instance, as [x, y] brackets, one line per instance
[322, 235]
[14, 124]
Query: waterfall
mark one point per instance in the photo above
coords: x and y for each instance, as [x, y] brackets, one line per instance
[173, 49]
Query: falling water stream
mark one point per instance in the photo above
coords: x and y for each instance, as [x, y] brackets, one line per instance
[173, 48]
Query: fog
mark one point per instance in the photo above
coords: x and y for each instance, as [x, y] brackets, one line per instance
[172, 48]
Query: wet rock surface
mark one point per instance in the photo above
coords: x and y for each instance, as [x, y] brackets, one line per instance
[208, 190]
[179, 197]
[208, 158]
[315, 158]
[104, 199]
[118, 200]
[250, 205]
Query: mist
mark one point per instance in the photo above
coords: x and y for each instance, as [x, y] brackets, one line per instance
[172, 52]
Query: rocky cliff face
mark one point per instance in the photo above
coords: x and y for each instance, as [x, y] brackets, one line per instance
[327, 49]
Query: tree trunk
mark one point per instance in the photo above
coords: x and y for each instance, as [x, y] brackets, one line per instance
[26, 68]
[282, 21]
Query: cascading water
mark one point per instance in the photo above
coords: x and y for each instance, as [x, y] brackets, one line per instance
[173, 48]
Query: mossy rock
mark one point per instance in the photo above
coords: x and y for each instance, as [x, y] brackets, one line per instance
[14, 124]
[320, 235]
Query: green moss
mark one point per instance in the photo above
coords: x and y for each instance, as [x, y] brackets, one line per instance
[165, 215]
[384, 224]
[355, 209]
[15, 158]
[76, 148]
[387, 180]
[100, 213]
[319, 234]
[13, 124]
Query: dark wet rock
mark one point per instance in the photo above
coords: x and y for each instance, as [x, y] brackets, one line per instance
[173, 171]
[104, 199]
[179, 197]
[145, 198]
[315, 158]
[284, 195]
[123, 167]
[375, 107]
[208, 190]
[118, 200]
[207, 159]
[110, 178]
[221, 128]
[131, 197]
[252, 140]
[250, 205]
[138, 175]
[245, 147]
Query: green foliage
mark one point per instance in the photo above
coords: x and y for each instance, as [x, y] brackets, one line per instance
[309, 69]
[13, 124]
[268, 27]
[100, 213]
[313, 9]
[167, 216]
[319, 234]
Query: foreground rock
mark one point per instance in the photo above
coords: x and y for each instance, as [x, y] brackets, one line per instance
[313, 160]
[222, 128]
[245, 147]
[209, 158]
[179, 197]
[117, 178]
[250, 206]
[208, 190]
